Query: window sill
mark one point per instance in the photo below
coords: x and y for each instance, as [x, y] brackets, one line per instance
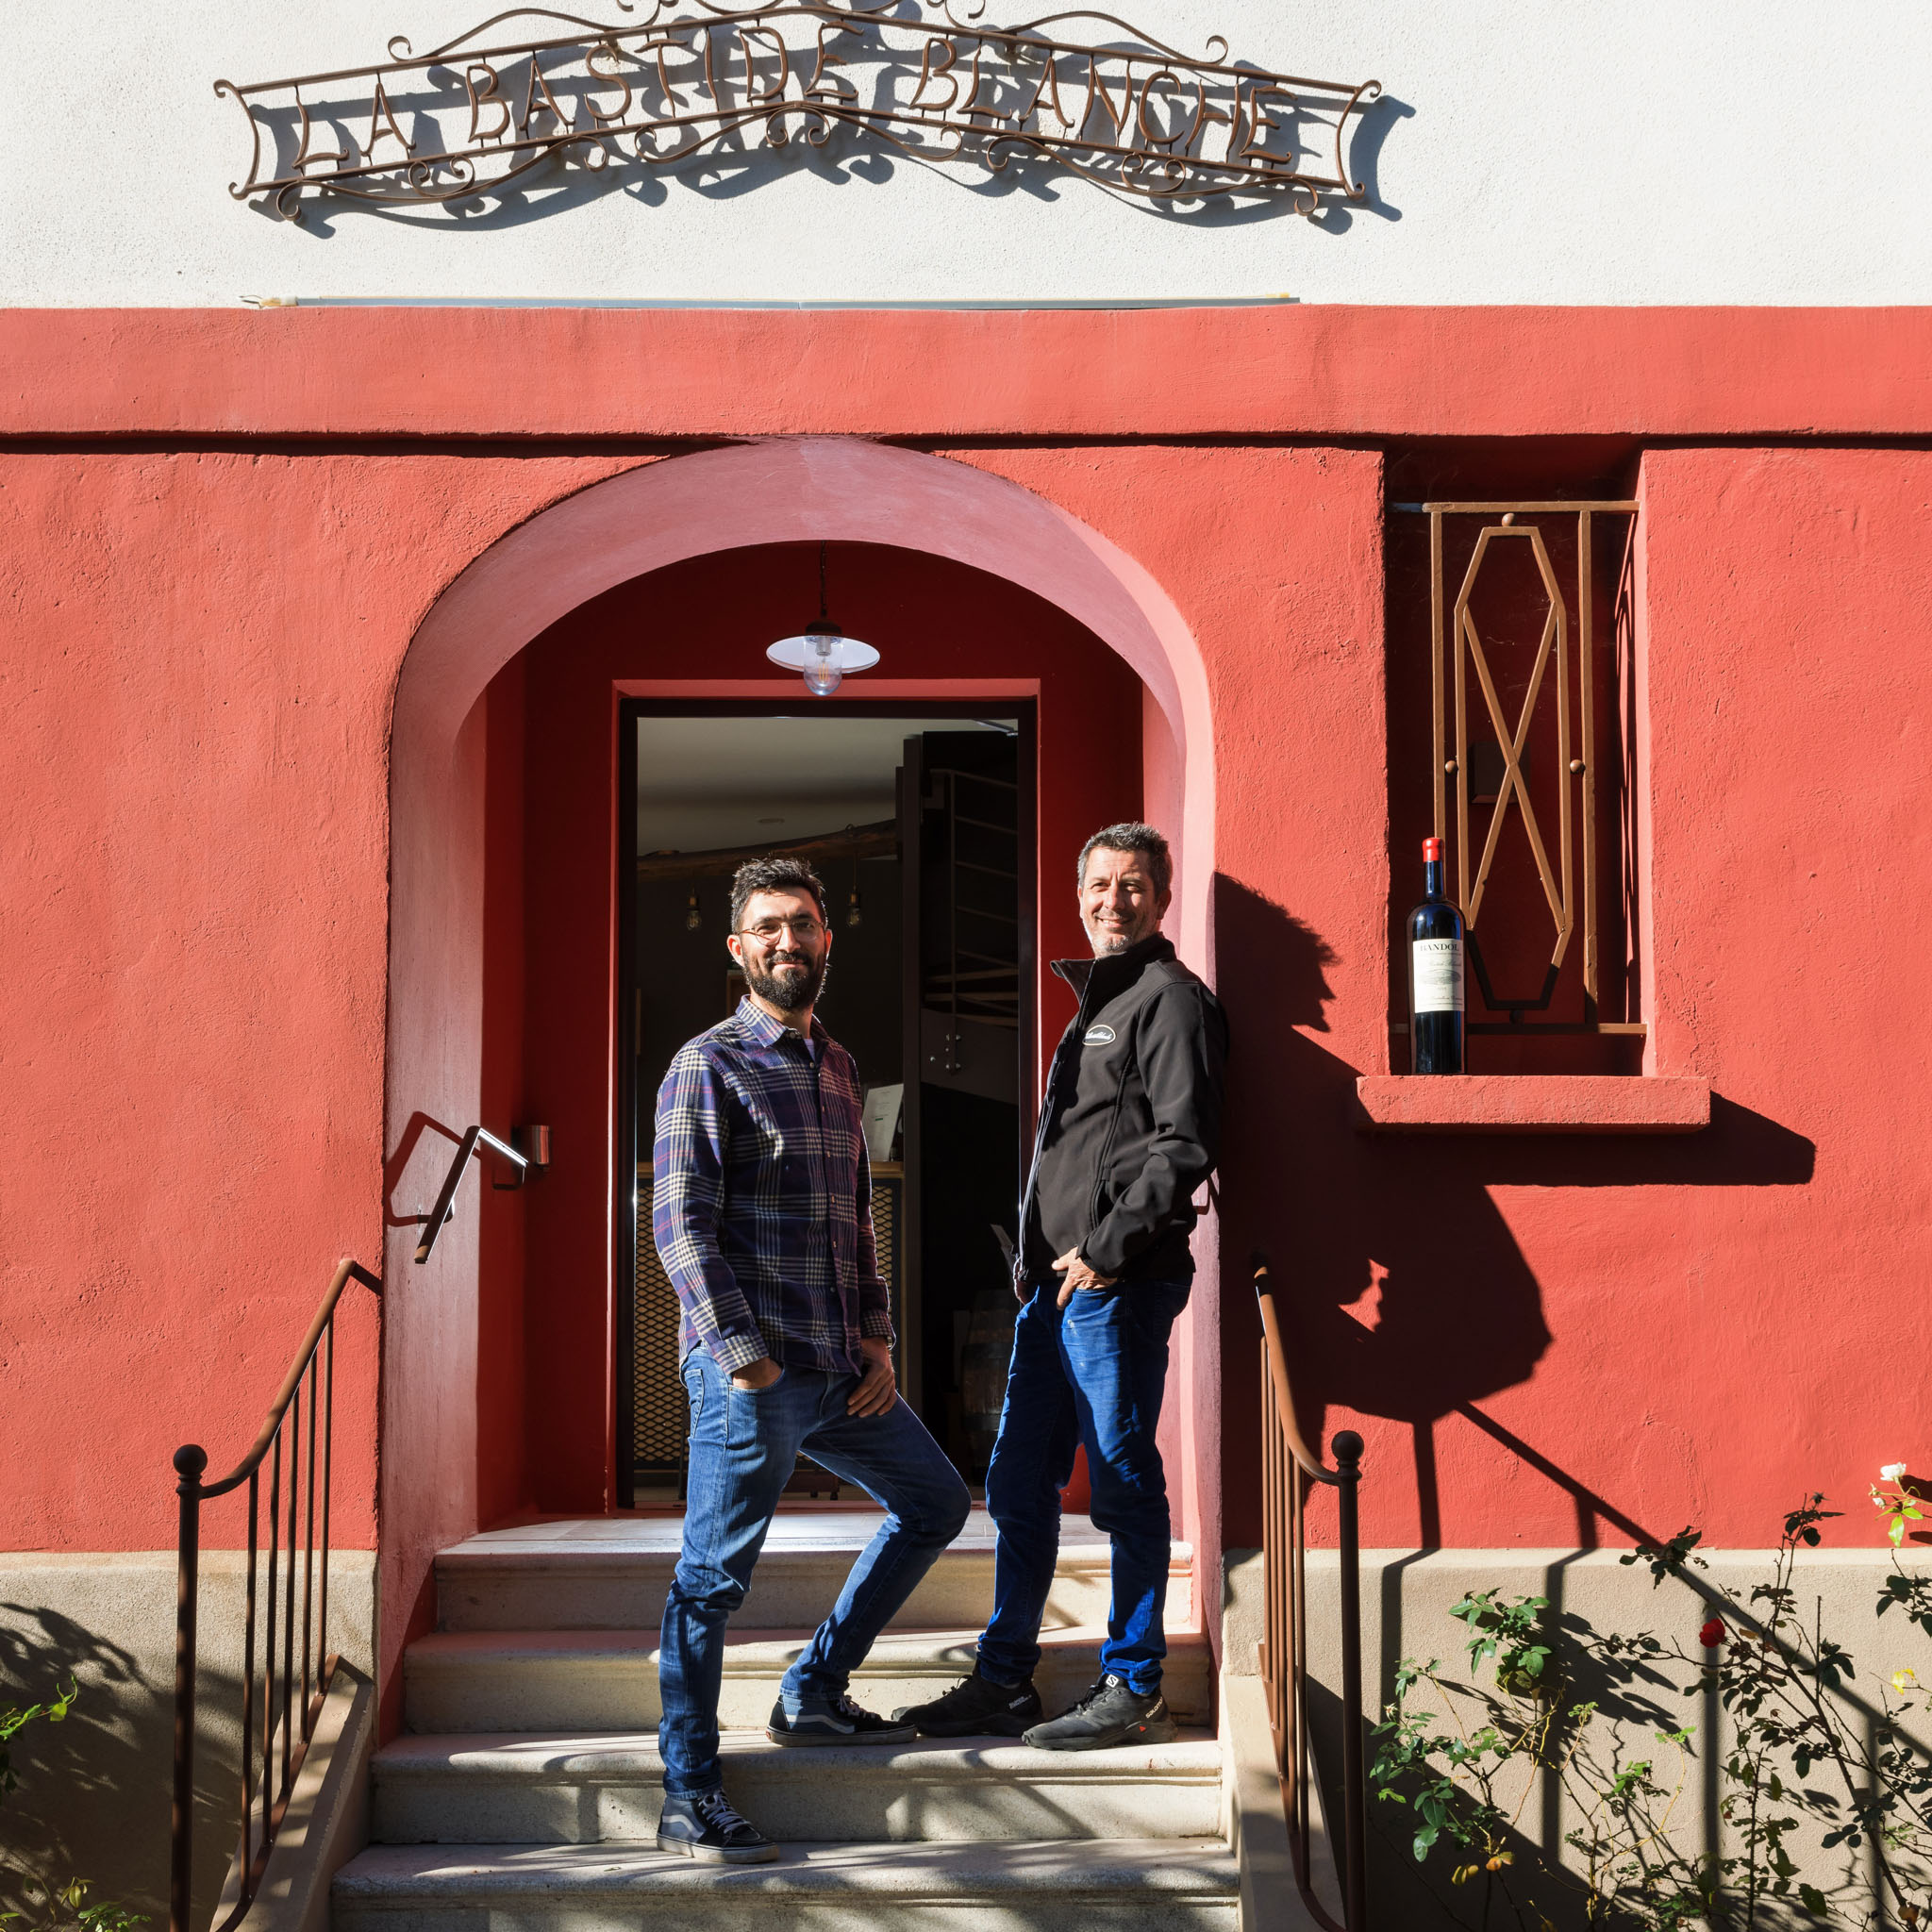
[1529, 1104]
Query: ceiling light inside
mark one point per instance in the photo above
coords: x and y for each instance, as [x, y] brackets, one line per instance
[821, 652]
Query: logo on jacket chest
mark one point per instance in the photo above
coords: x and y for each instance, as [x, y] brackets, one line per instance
[1098, 1035]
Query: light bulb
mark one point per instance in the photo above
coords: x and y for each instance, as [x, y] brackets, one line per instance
[822, 674]
[692, 918]
[855, 913]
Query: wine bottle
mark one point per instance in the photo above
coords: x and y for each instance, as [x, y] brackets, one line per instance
[1435, 974]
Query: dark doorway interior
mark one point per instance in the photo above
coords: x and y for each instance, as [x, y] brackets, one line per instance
[920, 822]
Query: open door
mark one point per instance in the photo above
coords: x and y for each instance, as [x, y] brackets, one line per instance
[966, 841]
[926, 842]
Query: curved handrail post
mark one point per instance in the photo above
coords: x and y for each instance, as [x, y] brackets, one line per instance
[1289, 1466]
[445, 1199]
[190, 1466]
[191, 1463]
[1348, 1457]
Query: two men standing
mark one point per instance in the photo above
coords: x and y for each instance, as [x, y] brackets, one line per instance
[761, 1214]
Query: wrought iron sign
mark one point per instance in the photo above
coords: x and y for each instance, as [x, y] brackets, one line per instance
[680, 78]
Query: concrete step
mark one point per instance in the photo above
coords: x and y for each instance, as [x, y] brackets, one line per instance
[610, 1573]
[606, 1680]
[516, 1789]
[1064, 1884]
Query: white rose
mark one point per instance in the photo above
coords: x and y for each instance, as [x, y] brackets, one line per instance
[1893, 1473]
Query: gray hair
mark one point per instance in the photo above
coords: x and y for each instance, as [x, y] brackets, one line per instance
[1132, 836]
[775, 876]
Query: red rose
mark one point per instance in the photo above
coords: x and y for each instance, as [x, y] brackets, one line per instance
[1713, 1633]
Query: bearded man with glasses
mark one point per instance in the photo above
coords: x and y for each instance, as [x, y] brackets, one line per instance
[761, 1211]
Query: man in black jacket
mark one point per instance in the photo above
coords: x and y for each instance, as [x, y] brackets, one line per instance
[1129, 1129]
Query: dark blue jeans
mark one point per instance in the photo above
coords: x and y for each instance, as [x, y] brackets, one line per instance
[1092, 1372]
[743, 1445]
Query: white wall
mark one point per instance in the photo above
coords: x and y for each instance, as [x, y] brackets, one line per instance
[1560, 151]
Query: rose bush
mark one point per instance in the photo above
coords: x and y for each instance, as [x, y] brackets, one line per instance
[1808, 1762]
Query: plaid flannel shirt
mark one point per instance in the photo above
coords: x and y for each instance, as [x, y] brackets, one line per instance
[761, 1197]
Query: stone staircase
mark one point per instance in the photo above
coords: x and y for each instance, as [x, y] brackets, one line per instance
[525, 1796]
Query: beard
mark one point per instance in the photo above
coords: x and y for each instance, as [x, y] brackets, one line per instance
[1107, 940]
[790, 990]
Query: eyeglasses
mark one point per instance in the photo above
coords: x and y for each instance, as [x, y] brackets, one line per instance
[767, 931]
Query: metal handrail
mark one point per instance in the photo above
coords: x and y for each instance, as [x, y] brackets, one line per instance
[445, 1201]
[1289, 1466]
[316, 1362]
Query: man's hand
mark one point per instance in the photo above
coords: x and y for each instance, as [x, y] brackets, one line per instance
[1079, 1276]
[878, 1387]
[757, 1374]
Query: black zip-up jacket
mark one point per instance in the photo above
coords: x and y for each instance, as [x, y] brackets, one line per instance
[1131, 1124]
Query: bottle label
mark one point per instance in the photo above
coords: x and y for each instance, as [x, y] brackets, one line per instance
[1437, 969]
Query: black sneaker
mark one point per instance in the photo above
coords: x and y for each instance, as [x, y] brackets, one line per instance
[976, 1707]
[833, 1720]
[1109, 1714]
[704, 1826]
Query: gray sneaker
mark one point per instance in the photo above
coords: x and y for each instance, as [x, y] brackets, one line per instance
[704, 1827]
[1109, 1714]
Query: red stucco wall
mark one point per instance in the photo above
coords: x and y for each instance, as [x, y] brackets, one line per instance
[1570, 1340]
[1546, 1342]
[200, 652]
[1322, 371]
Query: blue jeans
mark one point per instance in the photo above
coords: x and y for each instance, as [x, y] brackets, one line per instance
[1092, 1372]
[744, 1444]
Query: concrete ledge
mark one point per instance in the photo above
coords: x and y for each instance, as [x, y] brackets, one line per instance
[1529, 1104]
[1096, 1884]
[577, 1575]
[576, 1789]
[1257, 1819]
[327, 1820]
[606, 1680]
[94, 1791]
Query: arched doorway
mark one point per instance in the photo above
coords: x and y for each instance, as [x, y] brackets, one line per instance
[645, 521]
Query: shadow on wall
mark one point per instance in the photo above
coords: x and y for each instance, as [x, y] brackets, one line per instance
[737, 166]
[1452, 1313]
[1373, 127]
[1460, 1313]
[428, 1176]
[96, 1789]
[1412, 1302]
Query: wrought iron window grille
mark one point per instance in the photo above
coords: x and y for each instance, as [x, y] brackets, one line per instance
[1472, 769]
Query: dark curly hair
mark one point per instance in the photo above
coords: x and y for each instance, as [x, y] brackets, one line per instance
[775, 876]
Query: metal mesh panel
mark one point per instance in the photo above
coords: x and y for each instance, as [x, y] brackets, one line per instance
[659, 1419]
[884, 1228]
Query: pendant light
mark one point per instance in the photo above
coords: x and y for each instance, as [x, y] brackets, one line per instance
[823, 652]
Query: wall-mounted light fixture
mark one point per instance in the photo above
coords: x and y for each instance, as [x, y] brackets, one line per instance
[823, 652]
